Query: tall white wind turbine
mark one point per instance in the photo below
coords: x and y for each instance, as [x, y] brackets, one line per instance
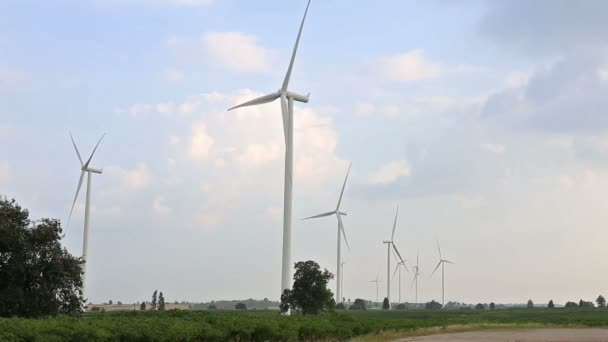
[341, 233]
[417, 273]
[377, 280]
[287, 97]
[84, 168]
[342, 279]
[391, 243]
[441, 263]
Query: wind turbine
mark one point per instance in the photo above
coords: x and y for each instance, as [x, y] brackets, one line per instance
[342, 279]
[376, 281]
[341, 231]
[400, 264]
[441, 263]
[287, 97]
[417, 273]
[390, 243]
[84, 168]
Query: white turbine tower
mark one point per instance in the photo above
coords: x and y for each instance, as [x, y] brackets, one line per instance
[341, 233]
[376, 281]
[287, 97]
[400, 264]
[391, 243]
[417, 273]
[441, 263]
[85, 168]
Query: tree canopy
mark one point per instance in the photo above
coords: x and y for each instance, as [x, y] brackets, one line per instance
[309, 293]
[38, 277]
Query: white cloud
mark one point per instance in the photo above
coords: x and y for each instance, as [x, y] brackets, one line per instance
[184, 3]
[135, 179]
[159, 207]
[364, 109]
[259, 154]
[4, 172]
[236, 51]
[173, 140]
[410, 66]
[174, 75]
[517, 79]
[493, 148]
[390, 172]
[200, 142]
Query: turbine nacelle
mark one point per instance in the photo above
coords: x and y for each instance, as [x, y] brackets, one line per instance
[90, 169]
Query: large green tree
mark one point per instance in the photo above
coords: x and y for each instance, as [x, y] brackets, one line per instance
[309, 294]
[38, 277]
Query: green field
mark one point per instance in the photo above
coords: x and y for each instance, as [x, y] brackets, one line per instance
[270, 326]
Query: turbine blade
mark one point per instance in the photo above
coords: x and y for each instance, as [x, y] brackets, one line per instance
[341, 226]
[293, 54]
[75, 198]
[285, 114]
[260, 100]
[343, 186]
[397, 251]
[449, 262]
[395, 223]
[76, 148]
[413, 281]
[321, 215]
[439, 249]
[396, 269]
[438, 264]
[92, 153]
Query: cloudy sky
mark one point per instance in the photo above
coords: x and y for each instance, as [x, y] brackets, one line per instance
[485, 121]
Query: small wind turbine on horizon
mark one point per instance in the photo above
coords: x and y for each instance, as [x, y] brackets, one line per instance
[417, 273]
[342, 279]
[376, 281]
[400, 264]
[287, 97]
[441, 263]
[341, 232]
[84, 168]
[390, 243]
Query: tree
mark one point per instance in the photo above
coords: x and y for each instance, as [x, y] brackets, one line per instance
[142, 307]
[37, 276]
[480, 306]
[433, 305]
[581, 303]
[571, 305]
[385, 304]
[119, 303]
[551, 305]
[340, 306]
[154, 296]
[359, 304]
[584, 304]
[601, 301]
[110, 302]
[309, 293]
[530, 304]
[401, 306]
[240, 306]
[492, 306]
[161, 302]
[212, 307]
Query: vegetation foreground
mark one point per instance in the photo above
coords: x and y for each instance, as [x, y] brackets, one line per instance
[270, 326]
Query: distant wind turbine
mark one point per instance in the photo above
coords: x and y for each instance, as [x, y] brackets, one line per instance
[417, 273]
[441, 263]
[391, 243]
[84, 168]
[376, 281]
[341, 231]
[342, 279]
[287, 97]
[400, 264]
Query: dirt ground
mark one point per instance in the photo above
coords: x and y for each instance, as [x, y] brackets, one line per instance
[533, 335]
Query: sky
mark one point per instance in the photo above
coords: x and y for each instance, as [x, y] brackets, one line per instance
[483, 120]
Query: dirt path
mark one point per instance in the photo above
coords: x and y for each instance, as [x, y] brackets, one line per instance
[533, 335]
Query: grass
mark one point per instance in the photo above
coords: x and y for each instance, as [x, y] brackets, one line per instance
[261, 325]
